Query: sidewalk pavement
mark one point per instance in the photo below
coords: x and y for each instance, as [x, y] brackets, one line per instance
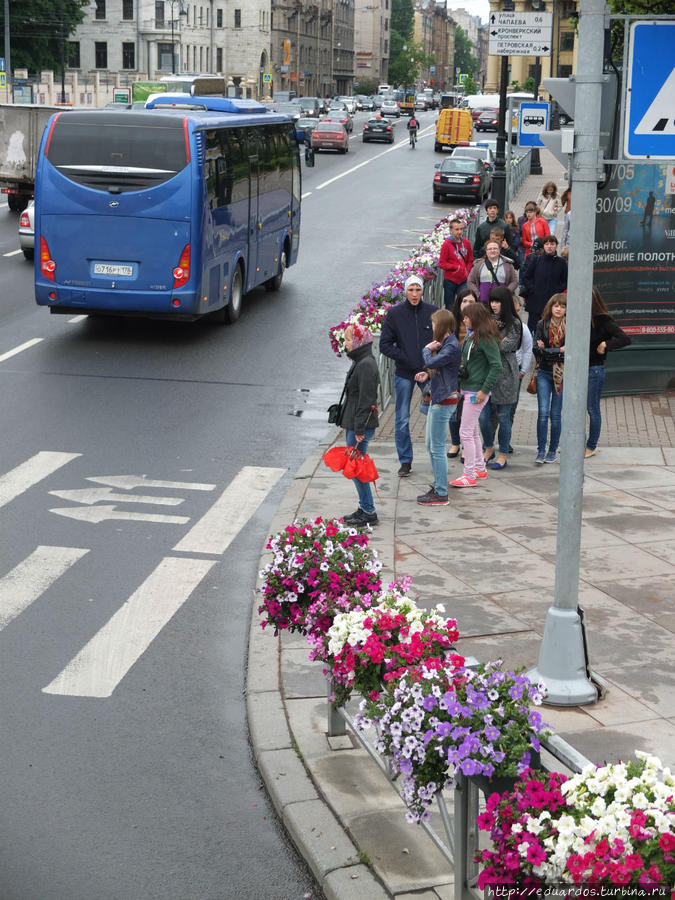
[489, 557]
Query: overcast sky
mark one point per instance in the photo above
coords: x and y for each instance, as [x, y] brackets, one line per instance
[475, 7]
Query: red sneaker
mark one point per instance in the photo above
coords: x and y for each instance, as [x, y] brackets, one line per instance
[463, 481]
[481, 474]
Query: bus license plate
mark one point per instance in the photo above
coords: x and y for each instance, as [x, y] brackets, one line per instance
[112, 269]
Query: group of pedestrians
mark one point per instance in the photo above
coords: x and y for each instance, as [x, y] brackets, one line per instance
[468, 359]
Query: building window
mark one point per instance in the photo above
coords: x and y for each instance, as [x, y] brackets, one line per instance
[237, 18]
[100, 9]
[128, 56]
[564, 71]
[159, 14]
[219, 18]
[532, 71]
[101, 54]
[127, 9]
[164, 57]
[74, 54]
[567, 40]
[219, 59]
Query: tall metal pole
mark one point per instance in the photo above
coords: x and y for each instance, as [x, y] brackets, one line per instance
[562, 662]
[8, 61]
[499, 175]
[173, 49]
[63, 54]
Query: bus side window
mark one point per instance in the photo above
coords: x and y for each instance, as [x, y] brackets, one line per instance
[239, 146]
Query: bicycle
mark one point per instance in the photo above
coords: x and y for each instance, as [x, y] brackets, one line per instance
[413, 137]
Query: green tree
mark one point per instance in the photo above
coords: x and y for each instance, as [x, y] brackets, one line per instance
[465, 59]
[36, 28]
[402, 19]
[405, 67]
[367, 86]
[634, 8]
[470, 86]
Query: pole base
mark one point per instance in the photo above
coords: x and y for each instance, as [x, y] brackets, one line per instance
[563, 666]
[535, 162]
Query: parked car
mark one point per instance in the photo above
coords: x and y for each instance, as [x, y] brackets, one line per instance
[378, 129]
[330, 135]
[336, 115]
[487, 121]
[350, 103]
[461, 176]
[390, 108]
[304, 128]
[477, 150]
[27, 230]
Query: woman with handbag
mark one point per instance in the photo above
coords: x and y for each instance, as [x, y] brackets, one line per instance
[479, 371]
[441, 357]
[491, 270]
[549, 351]
[462, 299]
[359, 414]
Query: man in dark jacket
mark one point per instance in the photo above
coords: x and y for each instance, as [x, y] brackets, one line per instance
[492, 221]
[544, 276]
[405, 330]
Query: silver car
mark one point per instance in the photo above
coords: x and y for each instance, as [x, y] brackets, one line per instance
[390, 108]
[350, 103]
[27, 230]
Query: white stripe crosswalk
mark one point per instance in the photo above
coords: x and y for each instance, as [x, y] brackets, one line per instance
[99, 667]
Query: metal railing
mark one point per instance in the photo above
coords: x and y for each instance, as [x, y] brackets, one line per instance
[459, 842]
[517, 170]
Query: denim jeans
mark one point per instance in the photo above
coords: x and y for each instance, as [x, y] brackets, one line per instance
[363, 488]
[454, 425]
[403, 391]
[450, 290]
[552, 225]
[550, 406]
[496, 414]
[436, 434]
[596, 380]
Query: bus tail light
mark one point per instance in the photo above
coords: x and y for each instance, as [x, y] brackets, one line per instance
[47, 264]
[181, 274]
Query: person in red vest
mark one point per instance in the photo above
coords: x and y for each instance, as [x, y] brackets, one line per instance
[456, 260]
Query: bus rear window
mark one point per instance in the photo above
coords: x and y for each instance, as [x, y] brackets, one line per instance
[123, 157]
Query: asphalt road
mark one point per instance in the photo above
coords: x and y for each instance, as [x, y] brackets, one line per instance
[125, 767]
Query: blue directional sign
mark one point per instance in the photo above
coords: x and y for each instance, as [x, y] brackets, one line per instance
[533, 119]
[649, 126]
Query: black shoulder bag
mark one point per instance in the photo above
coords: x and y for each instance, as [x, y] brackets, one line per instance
[335, 409]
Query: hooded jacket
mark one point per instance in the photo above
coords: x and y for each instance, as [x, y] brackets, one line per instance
[405, 330]
[361, 391]
[456, 259]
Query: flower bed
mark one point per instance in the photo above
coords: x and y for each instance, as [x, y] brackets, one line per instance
[423, 261]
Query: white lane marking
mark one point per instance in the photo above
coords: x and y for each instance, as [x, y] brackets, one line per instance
[13, 252]
[76, 319]
[32, 577]
[30, 472]
[218, 527]
[129, 482]
[104, 661]
[94, 495]
[98, 514]
[307, 194]
[20, 349]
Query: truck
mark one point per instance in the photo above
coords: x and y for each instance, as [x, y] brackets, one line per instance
[452, 127]
[407, 105]
[21, 127]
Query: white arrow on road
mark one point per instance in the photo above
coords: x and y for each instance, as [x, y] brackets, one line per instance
[129, 482]
[101, 513]
[94, 495]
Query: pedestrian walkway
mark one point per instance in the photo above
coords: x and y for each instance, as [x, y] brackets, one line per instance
[489, 557]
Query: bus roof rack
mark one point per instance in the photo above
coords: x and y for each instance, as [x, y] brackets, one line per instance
[216, 104]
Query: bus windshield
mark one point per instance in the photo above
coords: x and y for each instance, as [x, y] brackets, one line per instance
[111, 153]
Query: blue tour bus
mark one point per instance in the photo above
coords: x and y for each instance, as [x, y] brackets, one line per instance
[172, 212]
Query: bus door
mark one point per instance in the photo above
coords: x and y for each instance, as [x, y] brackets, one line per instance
[254, 223]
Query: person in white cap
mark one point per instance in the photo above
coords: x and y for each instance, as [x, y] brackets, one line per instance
[405, 331]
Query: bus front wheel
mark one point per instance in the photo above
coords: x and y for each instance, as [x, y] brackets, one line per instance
[274, 283]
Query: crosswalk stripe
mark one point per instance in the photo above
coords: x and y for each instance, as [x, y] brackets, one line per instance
[30, 472]
[103, 662]
[218, 527]
[32, 577]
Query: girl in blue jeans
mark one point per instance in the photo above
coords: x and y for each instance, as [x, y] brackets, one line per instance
[441, 358]
[549, 350]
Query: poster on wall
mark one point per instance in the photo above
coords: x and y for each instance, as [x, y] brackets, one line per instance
[634, 262]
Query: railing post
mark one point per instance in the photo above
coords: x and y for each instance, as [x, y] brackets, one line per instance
[336, 724]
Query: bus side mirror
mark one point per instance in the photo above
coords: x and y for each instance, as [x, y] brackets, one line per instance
[309, 156]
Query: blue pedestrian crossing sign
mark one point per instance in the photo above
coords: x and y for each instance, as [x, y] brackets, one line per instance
[649, 124]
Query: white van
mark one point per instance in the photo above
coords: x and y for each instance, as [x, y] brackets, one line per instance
[384, 89]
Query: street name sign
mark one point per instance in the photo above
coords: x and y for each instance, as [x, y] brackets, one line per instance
[520, 33]
[532, 120]
[649, 125]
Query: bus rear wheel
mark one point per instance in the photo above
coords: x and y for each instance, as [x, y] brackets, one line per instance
[230, 313]
[274, 283]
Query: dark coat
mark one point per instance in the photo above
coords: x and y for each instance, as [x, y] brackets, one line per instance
[545, 276]
[546, 356]
[405, 330]
[361, 387]
[483, 233]
[604, 328]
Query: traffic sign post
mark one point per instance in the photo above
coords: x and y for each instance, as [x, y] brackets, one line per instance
[649, 121]
[520, 33]
[532, 120]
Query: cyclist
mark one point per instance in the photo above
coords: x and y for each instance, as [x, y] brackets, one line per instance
[413, 125]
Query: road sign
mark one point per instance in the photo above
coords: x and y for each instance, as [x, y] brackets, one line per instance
[267, 78]
[649, 126]
[3, 79]
[520, 33]
[533, 119]
[122, 95]
[2, 64]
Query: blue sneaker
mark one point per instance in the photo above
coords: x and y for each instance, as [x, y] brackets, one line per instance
[540, 458]
[551, 457]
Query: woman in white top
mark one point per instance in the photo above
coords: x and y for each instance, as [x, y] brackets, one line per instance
[549, 205]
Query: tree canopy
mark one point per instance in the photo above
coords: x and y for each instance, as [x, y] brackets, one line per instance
[36, 28]
[465, 59]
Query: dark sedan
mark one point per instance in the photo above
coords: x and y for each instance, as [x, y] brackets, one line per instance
[461, 176]
[378, 129]
[487, 121]
[343, 117]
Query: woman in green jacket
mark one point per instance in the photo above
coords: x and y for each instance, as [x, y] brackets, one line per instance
[479, 372]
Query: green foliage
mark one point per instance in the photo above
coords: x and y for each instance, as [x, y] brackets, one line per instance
[402, 20]
[405, 65]
[634, 8]
[36, 29]
[367, 86]
[465, 59]
[470, 86]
